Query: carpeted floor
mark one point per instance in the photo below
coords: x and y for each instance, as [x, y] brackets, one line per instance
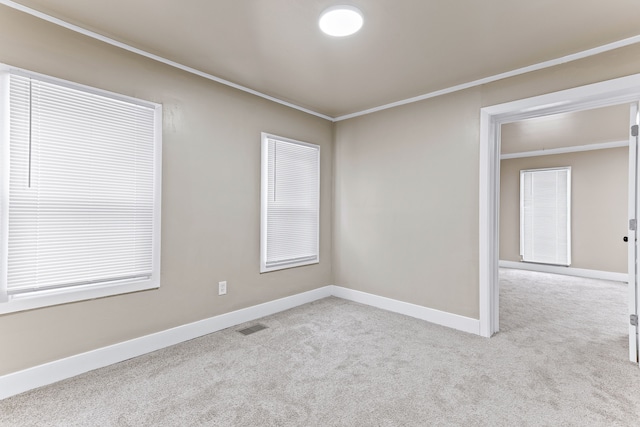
[561, 359]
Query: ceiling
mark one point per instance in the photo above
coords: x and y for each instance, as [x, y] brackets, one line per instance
[585, 127]
[406, 48]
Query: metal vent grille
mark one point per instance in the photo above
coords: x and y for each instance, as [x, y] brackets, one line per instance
[252, 329]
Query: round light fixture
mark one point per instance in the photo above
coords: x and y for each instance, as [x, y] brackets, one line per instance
[341, 21]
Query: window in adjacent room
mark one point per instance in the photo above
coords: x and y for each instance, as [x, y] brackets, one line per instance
[545, 216]
[290, 211]
[80, 192]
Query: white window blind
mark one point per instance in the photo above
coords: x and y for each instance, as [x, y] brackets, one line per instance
[82, 189]
[545, 216]
[290, 203]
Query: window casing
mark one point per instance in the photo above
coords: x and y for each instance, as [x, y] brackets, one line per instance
[545, 216]
[290, 203]
[80, 192]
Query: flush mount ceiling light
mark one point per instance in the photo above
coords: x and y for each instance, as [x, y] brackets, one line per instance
[340, 21]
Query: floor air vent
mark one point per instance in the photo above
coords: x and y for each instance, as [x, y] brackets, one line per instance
[252, 329]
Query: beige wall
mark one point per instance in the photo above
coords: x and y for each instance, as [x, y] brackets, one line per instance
[585, 127]
[210, 197]
[598, 203]
[406, 203]
[406, 187]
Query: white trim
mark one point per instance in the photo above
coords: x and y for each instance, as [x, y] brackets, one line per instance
[611, 92]
[489, 181]
[519, 71]
[58, 370]
[157, 195]
[565, 150]
[632, 245]
[154, 57]
[264, 191]
[48, 373]
[454, 321]
[48, 298]
[567, 271]
[602, 94]
[78, 86]
[5, 138]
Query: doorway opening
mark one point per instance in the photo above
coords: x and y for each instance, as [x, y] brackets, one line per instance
[613, 92]
[563, 210]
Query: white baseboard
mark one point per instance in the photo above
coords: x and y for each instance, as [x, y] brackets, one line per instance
[568, 271]
[443, 318]
[48, 373]
[58, 370]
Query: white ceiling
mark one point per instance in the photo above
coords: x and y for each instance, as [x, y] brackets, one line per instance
[406, 48]
[585, 127]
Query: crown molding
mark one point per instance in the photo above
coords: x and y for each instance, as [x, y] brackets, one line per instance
[565, 150]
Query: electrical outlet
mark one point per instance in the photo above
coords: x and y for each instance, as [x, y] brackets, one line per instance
[222, 288]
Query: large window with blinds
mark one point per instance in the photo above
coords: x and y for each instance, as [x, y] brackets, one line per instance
[80, 192]
[290, 208]
[545, 216]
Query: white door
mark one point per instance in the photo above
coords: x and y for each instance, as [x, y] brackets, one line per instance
[633, 244]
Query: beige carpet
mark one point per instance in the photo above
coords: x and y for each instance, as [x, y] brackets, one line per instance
[561, 359]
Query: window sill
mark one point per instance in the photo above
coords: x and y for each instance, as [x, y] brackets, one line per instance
[42, 299]
[266, 269]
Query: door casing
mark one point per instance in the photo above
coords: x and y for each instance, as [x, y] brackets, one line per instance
[632, 261]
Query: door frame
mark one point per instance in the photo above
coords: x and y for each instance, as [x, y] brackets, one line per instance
[632, 261]
[611, 92]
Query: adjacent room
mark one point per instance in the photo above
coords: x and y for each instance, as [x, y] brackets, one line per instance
[563, 210]
[243, 213]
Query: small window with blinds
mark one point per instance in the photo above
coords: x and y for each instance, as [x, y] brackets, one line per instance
[545, 216]
[290, 212]
[80, 193]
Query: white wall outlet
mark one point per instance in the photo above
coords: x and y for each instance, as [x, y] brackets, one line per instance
[222, 288]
